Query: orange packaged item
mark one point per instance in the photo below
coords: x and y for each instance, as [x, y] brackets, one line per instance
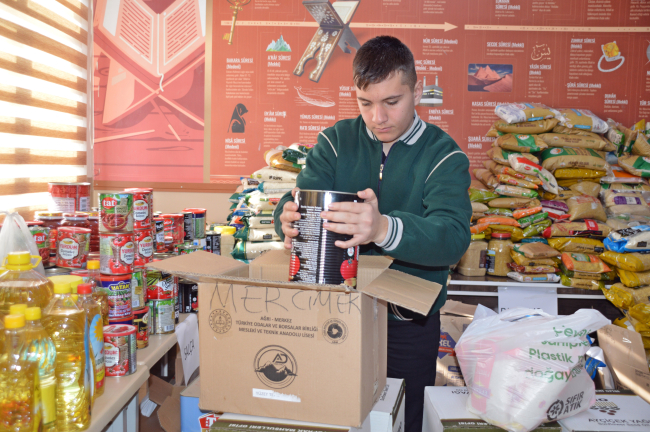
[506, 179]
[584, 263]
[518, 214]
[532, 269]
[498, 220]
[478, 228]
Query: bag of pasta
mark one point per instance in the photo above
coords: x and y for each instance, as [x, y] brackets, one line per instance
[566, 157]
[584, 263]
[520, 143]
[500, 156]
[577, 244]
[513, 202]
[633, 279]
[486, 177]
[497, 169]
[586, 207]
[588, 228]
[605, 277]
[578, 173]
[535, 250]
[634, 262]
[522, 260]
[515, 191]
[588, 284]
[482, 196]
[530, 127]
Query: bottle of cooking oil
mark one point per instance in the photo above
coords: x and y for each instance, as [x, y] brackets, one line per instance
[20, 403]
[70, 279]
[17, 309]
[65, 324]
[21, 284]
[95, 336]
[99, 294]
[42, 352]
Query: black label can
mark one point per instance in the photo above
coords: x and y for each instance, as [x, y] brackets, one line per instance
[188, 226]
[188, 296]
[314, 256]
[213, 242]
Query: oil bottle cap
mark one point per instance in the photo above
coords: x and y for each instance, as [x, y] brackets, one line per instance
[74, 283]
[93, 265]
[19, 261]
[84, 288]
[14, 321]
[33, 313]
[69, 280]
[17, 309]
[61, 287]
[228, 230]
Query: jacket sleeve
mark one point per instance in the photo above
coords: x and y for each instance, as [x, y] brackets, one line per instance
[441, 235]
[318, 172]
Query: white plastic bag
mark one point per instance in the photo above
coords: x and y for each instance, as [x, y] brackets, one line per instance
[16, 237]
[524, 367]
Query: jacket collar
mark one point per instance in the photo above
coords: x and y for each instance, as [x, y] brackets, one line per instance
[411, 135]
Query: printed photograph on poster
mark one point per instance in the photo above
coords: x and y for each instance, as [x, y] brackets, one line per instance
[612, 56]
[431, 94]
[487, 77]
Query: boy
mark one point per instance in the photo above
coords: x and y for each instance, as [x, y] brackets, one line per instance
[413, 178]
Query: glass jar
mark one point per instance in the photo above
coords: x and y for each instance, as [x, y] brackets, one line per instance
[473, 263]
[77, 219]
[498, 254]
[51, 220]
[93, 224]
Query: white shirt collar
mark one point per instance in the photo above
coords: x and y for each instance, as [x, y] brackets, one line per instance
[411, 135]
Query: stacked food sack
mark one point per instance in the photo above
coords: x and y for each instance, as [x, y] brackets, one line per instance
[258, 196]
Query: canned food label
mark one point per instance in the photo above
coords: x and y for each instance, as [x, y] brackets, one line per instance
[142, 325]
[111, 355]
[83, 203]
[162, 314]
[62, 204]
[160, 286]
[127, 252]
[68, 249]
[140, 210]
[137, 286]
[145, 246]
[116, 212]
[119, 299]
[97, 344]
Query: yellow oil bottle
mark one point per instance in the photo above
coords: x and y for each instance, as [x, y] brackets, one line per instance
[65, 324]
[42, 352]
[99, 294]
[22, 284]
[95, 333]
[20, 403]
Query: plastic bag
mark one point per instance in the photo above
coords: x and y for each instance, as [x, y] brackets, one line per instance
[582, 119]
[513, 202]
[275, 175]
[533, 277]
[635, 239]
[566, 157]
[500, 156]
[535, 250]
[531, 167]
[499, 212]
[577, 244]
[588, 284]
[633, 279]
[524, 112]
[532, 269]
[537, 228]
[608, 277]
[276, 187]
[257, 234]
[481, 196]
[486, 177]
[562, 140]
[520, 143]
[522, 260]
[529, 127]
[586, 207]
[578, 173]
[16, 237]
[586, 188]
[497, 169]
[634, 262]
[518, 214]
[524, 367]
[498, 220]
[636, 165]
[570, 229]
[584, 263]
[619, 297]
[533, 219]
[515, 191]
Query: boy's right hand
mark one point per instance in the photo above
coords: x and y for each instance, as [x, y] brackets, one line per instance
[289, 215]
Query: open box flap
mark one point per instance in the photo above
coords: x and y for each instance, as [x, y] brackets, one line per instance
[197, 264]
[404, 290]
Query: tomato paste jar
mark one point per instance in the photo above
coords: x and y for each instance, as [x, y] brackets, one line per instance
[41, 236]
[143, 246]
[77, 219]
[69, 197]
[116, 212]
[116, 253]
[93, 222]
[51, 220]
[72, 247]
[174, 227]
[142, 207]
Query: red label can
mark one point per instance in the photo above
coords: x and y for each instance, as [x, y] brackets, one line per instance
[142, 208]
[116, 253]
[174, 227]
[119, 294]
[120, 347]
[116, 212]
[160, 286]
[69, 197]
[72, 247]
[144, 246]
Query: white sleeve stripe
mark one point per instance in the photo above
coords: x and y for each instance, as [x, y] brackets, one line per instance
[388, 232]
[397, 237]
[328, 140]
[443, 159]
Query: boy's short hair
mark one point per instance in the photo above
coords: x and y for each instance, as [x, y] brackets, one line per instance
[379, 58]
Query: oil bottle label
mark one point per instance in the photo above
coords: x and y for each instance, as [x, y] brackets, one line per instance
[48, 397]
[38, 413]
[97, 344]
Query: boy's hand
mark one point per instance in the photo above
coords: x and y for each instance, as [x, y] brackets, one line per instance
[289, 215]
[361, 220]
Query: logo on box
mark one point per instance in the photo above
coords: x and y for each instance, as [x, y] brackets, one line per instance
[605, 406]
[335, 331]
[275, 366]
[220, 321]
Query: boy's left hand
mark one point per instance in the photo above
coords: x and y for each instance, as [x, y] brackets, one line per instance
[361, 220]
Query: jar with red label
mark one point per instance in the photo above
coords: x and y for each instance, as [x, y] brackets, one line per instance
[51, 220]
[93, 222]
[159, 234]
[72, 249]
[142, 207]
[143, 247]
[174, 227]
[41, 236]
[116, 253]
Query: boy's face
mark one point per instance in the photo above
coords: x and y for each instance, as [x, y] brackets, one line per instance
[387, 107]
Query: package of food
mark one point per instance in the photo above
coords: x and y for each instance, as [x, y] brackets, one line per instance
[628, 210]
[520, 277]
[275, 175]
[562, 140]
[582, 119]
[555, 205]
[477, 229]
[586, 207]
[532, 127]
[522, 260]
[500, 155]
[584, 263]
[532, 269]
[498, 220]
[262, 220]
[586, 188]
[515, 191]
[566, 157]
[616, 198]
[535, 250]
[479, 208]
[641, 312]
[520, 143]
[513, 202]
[486, 177]
[274, 159]
[588, 228]
[537, 228]
[245, 250]
[609, 276]
[532, 219]
[524, 112]
[257, 234]
[493, 132]
[497, 169]
[633, 279]
[641, 146]
[619, 175]
[636, 165]
[532, 168]
[482, 196]
[276, 187]
[498, 212]
[578, 173]
[516, 234]
[577, 244]
[520, 213]
[639, 294]
[588, 284]
[506, 179]
[619, 297]
[259, 201]
[635, 239]
[555, 215]
[634, 262]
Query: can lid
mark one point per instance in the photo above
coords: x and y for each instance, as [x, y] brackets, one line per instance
[75, 230]
[34, 223]
[93, 265]
[119, 329]
[75, 216]
[33, 313]
[54, 214]
[68, 184]
[195, 210]
[501, 235]
[17, 309]
[14, 321]
[479, 236]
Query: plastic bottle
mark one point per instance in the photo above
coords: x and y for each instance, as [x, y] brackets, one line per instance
[95, 336]
[65, 324]
[42, 352]
[99, 294]
[20, 404]
[21, 284]
[17, 309]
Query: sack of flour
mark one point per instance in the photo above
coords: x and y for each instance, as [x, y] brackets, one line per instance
[524, 367]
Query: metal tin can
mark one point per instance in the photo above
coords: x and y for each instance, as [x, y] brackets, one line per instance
[188, 295]
[118, 291]
[72, 247]
[116, 212]
[161, 316]
[174, 227]
[160, 286]
[314, 256]
[144, 246]
[141, 322]
[56, 271]
[179, 247]
[188, 249]
[159, 234]
[138, 288]
[198, 222]
[188, 226]
[41, 236]
[162, 256]
[125, 321]
[69, 197]
[200, 242]
[142, 207]
[117, 253]
[213, 242]
[120, 350]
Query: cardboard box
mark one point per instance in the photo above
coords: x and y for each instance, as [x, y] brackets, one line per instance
[625, 357]
[614, 411]
[386, 416]
[291, 350]
[454, 319]
[445, 411]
